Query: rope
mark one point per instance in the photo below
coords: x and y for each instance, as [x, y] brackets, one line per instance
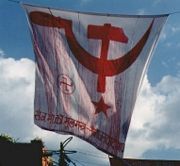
[176, 12]
[170, 13]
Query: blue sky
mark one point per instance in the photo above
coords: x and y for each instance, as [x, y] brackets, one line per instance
[154, 131]
[15, 40]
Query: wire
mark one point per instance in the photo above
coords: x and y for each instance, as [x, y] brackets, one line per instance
[91, 155]
[176, 12]
[78, 162]
[83, 153]
[55, 162]
[93, 163]
[170, 13]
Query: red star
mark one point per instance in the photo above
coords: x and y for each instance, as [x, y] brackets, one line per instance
[101, 106]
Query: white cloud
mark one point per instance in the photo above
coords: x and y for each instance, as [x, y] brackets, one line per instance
[165, 64]
[84, 2]
[141, 12]
[178, 45]
[156, 2]
[16, 108]
[1, 53]
[155, 121]
[178, 64]
[175, 29]
[169, 31]
[16, 102]
[169, 44]
[163, 35]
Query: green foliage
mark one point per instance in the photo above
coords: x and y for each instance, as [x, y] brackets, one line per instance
[6, 138]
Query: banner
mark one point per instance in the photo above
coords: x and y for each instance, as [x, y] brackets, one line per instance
[89, 68]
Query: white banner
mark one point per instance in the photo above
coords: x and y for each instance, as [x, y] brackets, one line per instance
[89, 70]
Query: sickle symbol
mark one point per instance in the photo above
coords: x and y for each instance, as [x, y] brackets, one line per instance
[100, 66]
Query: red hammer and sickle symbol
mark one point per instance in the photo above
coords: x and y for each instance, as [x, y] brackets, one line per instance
[105, 33]
[100, 66]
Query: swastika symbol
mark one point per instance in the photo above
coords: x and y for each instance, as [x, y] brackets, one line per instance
[66, 84]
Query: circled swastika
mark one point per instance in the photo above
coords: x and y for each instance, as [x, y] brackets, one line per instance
[66, 84]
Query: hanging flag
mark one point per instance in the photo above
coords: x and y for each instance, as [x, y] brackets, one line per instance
[89, 68]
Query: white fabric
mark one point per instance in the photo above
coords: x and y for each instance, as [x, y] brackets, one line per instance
[66, 93]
